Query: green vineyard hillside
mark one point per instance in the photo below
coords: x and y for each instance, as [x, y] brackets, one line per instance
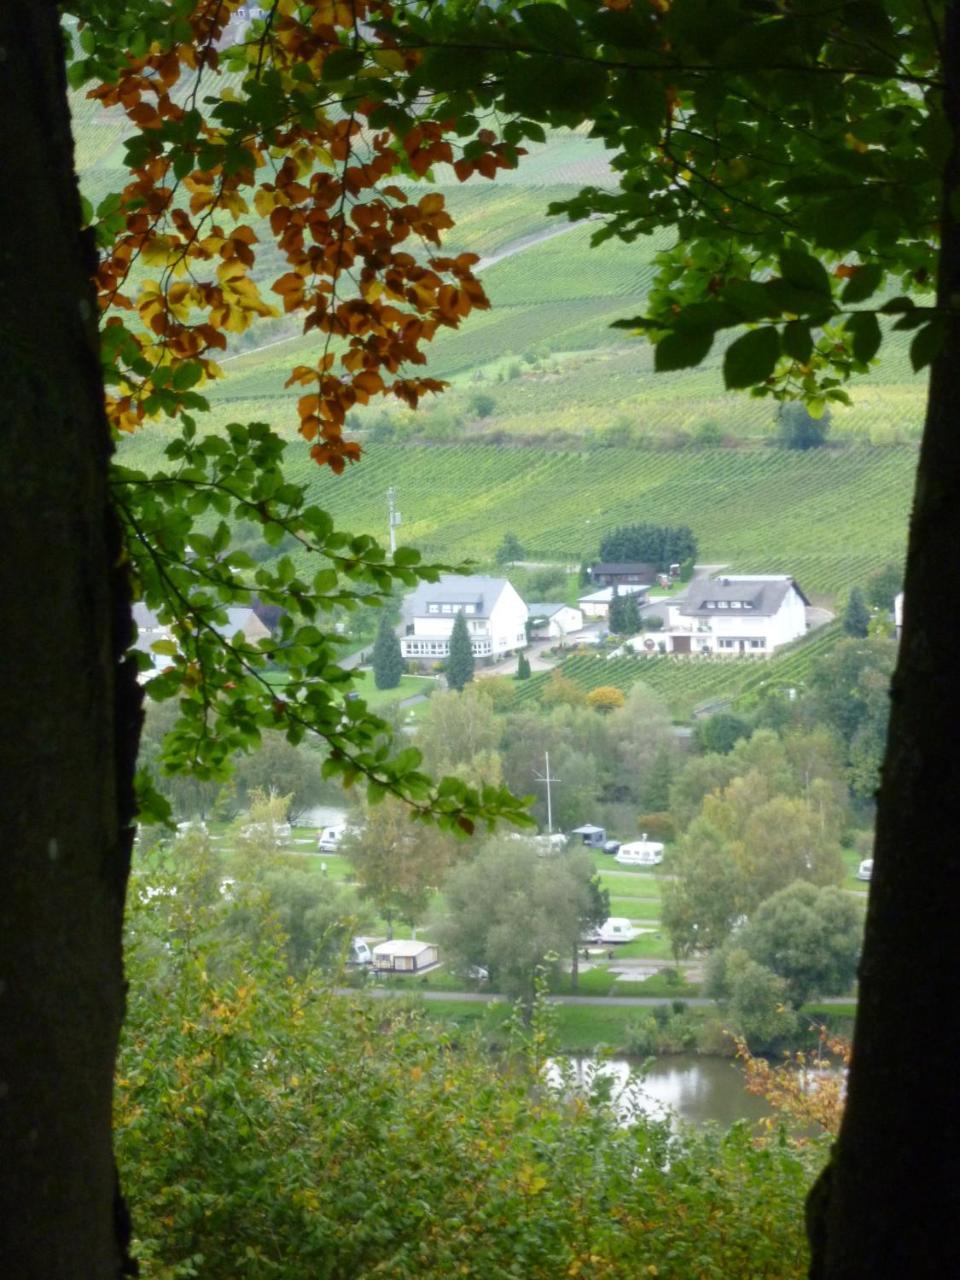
[690, 682]
[829, 517]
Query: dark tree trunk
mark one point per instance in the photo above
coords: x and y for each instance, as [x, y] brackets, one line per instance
[69, 713]
[889, 1203]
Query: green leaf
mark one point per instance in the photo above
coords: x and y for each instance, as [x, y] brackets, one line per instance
[342, 64]
[752, 358]
[927, 343]
[682, 350]
[750, 298]
[864, 328]
[804, 272]
[797, 340]
[550, 27]
[863, 283]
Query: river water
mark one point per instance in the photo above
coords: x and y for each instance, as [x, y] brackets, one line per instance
[692, 1089]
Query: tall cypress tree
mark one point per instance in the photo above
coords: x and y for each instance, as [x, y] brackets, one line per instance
[856, 616]
[460, 661]
[387, 658]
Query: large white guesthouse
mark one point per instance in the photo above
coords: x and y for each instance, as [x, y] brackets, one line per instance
[751, 615]
[496, 617]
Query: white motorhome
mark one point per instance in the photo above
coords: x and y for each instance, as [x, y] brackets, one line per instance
[617, 929]
[328, 840]
[865, 869]
[640, 853]
[614, 929]
[360, 952]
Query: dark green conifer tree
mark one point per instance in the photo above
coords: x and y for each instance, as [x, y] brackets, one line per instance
[387, 658]
[460, 661]
[856, 616]
[523, 667]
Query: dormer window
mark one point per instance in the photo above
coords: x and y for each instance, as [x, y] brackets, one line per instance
[711, 604]
[433, 608]
[735, 604]
[722, 604]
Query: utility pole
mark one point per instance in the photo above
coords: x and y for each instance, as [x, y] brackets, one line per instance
[393, 517]
[545, 777]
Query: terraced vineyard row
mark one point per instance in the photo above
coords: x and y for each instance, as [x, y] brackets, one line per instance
[685, 683]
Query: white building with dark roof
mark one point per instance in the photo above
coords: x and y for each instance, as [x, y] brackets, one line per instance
[750, 615]
[495, 615]
[554, 619]
[597, 603]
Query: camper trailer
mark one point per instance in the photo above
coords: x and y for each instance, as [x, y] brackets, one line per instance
[613, 929]
[640, 853]
[328, 841]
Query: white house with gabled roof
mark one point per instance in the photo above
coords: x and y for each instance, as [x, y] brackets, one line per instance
[555, 619]
[750, 615]
[495, 615]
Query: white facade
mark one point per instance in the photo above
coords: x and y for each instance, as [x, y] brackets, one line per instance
[748, 616]
[561, 619]
[495, 615]
[597, 603]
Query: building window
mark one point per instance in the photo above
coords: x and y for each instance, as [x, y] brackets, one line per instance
[723, 604]
[446, 608]
[758, 644]
[734, 604]
[433, 608]
[711, 604]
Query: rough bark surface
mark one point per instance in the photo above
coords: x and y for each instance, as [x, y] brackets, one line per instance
[889, 1203]
[69, 712]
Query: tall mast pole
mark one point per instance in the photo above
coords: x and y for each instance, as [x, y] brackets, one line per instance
[545, 777]
[392, 517]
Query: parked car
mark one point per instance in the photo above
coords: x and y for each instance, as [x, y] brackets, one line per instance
[610, 846]
[865, 869]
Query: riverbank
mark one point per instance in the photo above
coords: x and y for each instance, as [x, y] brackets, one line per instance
[613, 1024]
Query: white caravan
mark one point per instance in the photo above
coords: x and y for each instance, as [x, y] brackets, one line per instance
[328, 841]
[616, 929]
[640, 853]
